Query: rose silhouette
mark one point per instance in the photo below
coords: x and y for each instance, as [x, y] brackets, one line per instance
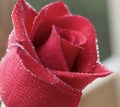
[51, 56]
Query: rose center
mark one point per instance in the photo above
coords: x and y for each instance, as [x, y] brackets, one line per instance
[73, 37]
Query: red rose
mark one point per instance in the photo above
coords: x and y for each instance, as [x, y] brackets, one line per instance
[51, 57]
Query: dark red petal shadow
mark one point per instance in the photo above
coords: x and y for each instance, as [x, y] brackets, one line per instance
[22, 17]
[81, 80]
[42, 25]
[51, 54]
[70, 53]
[22, 85]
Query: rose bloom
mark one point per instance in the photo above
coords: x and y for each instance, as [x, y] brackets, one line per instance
[51, 57]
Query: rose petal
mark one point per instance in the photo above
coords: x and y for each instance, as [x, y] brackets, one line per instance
[51, 54]
[81, 80]
[42, 73]
[70, 42]
[19, 87]
[70, 53]
[74, 37]
[88, 56]
[43, 22]
[23, 16]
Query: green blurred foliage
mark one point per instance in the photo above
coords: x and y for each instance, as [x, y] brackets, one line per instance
[95, 10]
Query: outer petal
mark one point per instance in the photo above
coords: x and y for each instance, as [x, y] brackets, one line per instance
[21, 86]
[81, 80]
[51, 54]
[43, 22]
[23, 16]
[88, 56]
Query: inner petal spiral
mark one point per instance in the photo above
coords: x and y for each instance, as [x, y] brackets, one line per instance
[74, 37]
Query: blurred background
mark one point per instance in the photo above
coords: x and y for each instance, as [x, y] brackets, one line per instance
[105, 15]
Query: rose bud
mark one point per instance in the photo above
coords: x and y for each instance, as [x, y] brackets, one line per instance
[51, 57]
